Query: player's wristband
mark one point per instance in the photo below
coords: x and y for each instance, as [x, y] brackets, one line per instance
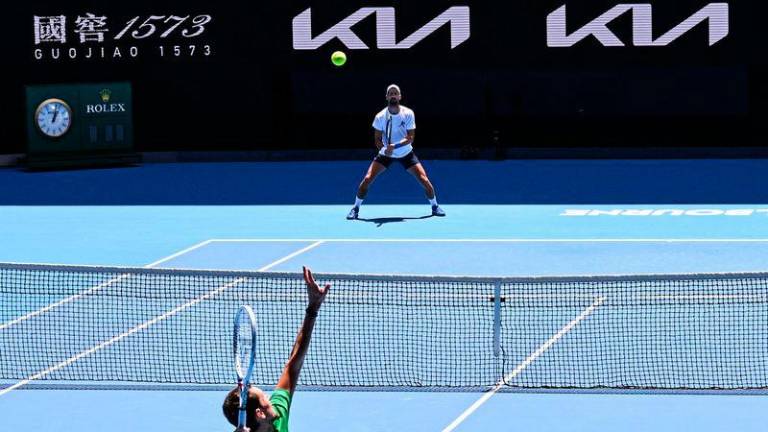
[311, 312]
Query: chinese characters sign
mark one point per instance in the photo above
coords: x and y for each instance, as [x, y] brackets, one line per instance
[94, 36]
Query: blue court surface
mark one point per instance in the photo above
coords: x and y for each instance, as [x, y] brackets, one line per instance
[642, 235]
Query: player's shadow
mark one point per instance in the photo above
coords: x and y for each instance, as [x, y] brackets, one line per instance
[385, 220]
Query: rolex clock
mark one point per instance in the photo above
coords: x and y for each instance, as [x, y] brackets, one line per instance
[53, 117]
[79, 124]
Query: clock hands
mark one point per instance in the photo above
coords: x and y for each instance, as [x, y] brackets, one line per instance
[53, 117]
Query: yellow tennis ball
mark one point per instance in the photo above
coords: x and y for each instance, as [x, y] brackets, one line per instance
[339, 58]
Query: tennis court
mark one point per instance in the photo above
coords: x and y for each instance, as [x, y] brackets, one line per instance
[582, 340]
[576, 239]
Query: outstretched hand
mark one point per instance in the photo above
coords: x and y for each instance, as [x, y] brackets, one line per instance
[315, 294]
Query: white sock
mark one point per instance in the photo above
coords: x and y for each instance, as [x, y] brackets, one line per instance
[433, 201]
[358, 202]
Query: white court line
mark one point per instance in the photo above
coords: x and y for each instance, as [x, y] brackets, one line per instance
[148, 323]
[509, 240]
[523, 365]
[178, 254]
[97, 287]
[293, 255]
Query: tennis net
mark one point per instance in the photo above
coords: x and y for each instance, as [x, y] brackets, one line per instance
[119, 327]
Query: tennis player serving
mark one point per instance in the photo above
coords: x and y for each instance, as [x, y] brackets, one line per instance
[270, 414]
[394, 131]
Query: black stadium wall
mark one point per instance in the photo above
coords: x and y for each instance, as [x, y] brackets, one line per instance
[247, 75]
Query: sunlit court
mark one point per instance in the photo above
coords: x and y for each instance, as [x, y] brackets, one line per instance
[341, 216]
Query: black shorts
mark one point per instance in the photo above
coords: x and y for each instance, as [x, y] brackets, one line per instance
[406, 161]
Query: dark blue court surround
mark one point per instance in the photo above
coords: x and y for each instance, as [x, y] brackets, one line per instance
[727, 181]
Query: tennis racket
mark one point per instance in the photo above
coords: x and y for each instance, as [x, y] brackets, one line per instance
[388, 129]
[243, 348]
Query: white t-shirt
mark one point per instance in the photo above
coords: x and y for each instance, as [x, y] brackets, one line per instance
[395, 127]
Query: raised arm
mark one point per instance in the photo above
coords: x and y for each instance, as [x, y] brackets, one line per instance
[315, 295]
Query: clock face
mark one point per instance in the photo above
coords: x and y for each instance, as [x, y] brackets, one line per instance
[53, 117]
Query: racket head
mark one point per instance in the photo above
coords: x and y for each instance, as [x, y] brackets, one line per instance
[243, 350]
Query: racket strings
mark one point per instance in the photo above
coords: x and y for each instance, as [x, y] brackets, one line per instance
[244, 344]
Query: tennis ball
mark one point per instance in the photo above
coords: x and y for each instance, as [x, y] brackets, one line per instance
[339, 58]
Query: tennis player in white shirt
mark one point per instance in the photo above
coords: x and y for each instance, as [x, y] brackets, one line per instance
[394, 130]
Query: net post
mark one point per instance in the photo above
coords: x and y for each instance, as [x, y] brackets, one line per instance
[497, 318]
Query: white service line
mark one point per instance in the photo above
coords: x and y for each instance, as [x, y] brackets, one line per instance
[523, 365]
[97, 287]
[178, 254]
[293, 255]
[148, 323]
